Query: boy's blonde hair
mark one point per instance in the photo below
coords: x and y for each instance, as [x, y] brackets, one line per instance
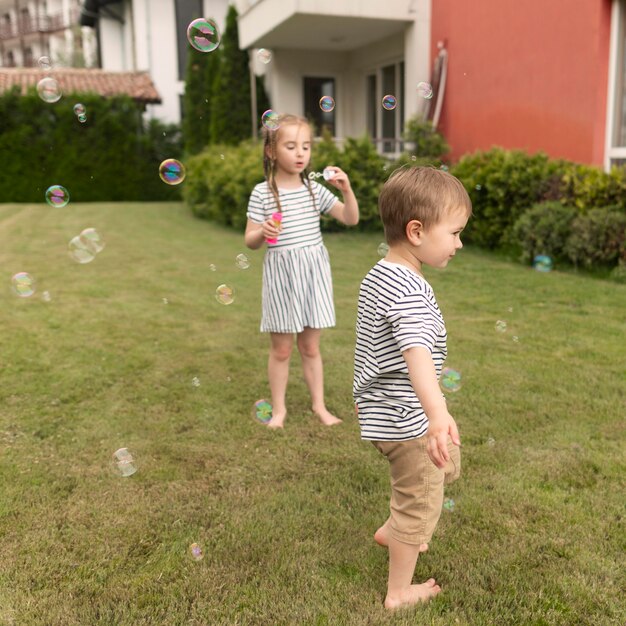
[270, 138]
[425, 194]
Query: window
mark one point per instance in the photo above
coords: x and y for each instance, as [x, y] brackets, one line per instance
[386, 127]
[615, 150]
[314, 90]
[28, 57]
[10, 59]
[186, 11]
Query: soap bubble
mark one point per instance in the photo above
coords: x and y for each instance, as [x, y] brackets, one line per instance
[542, 263]
[383, 248]
[23, 284]
[49, 90]
[82, 118]
[213, 267]
[203, 35]
[57, 196]
[195, 381]
[478, 187]
[46, 297]
[165, 301]
[196, 552]
[501, 326]
[269, 119]
[242, 262]
[45, 63]
[225, 294]
[79, 109]
[327, 104]
[80, 251]
[425, 90]
[123, 462]
[172, 172]
[262, 411]
[450, 379]
[389, 102]
[92, 240]
[328, 173]
[448, 504]
[265, 56]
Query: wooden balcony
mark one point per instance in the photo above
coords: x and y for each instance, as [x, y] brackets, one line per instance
[37, 24]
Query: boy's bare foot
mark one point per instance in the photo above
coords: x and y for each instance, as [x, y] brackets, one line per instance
[326, 417]
[277, 421]
[413, 595]
[381, 537]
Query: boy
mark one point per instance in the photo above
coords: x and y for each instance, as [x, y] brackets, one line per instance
[400, 350]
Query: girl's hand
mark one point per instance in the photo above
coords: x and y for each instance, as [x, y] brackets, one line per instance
[340, 179]
[270, 231]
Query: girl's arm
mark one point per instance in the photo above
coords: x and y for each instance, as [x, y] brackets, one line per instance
[256, 234]
[347, 211]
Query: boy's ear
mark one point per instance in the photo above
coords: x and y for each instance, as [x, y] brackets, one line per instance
[414, 231]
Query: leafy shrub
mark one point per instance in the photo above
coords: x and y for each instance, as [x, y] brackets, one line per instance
[502, 185]
[219, 182]
[113, 156]
[586, 187]
[427, 142]
[543, 229]
[598, 238]
[219, 189]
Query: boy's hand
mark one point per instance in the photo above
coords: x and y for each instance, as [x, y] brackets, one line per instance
[340, 178]
[437, 444]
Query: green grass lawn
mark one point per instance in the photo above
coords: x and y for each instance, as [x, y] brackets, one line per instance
[285, 519]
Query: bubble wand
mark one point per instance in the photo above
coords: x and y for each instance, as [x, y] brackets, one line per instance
[277, 218]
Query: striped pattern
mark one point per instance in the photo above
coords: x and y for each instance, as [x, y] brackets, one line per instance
[297, 282]
[301, 219]
[397, 310]
[297, 290]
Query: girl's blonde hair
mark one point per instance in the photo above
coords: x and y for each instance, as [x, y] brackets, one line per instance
[270, 139]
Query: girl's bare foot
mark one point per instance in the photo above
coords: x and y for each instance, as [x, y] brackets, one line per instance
[277, 421]
[381, 537]
[326, 417]
[413, 594]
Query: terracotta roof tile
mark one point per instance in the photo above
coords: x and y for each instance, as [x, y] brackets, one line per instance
[137, 85]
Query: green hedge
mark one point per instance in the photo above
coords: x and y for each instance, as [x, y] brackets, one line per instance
[502, 185]
[220, 179]
[112, 156]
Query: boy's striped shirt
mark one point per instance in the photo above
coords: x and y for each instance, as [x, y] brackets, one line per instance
[397, 310]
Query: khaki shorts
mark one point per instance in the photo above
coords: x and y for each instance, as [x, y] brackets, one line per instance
[416, 487]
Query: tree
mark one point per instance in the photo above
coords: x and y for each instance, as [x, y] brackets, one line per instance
[230, 104]
[198, 99]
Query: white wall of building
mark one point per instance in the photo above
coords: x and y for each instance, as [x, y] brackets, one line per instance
[148, 41]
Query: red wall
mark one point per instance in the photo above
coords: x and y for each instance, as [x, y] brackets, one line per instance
[528, 74]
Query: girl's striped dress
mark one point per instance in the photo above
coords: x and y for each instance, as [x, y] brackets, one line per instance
[297, 283]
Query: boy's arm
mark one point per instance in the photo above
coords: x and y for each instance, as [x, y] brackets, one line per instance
[441, 424]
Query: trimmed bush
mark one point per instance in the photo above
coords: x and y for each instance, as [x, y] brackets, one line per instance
[586, 187]
[219, 182]
[427, 142]
[219, 188]
[502, 185]
[598, 238]
[543, 229]
[112, 156]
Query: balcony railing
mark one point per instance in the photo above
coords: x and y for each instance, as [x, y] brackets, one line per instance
[37, 24]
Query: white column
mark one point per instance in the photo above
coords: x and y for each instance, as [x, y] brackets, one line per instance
[417, 62]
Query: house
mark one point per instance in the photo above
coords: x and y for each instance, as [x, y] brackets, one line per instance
[536, 75]
[31, 29]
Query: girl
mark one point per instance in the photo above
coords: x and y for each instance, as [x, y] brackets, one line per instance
[297, 288]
